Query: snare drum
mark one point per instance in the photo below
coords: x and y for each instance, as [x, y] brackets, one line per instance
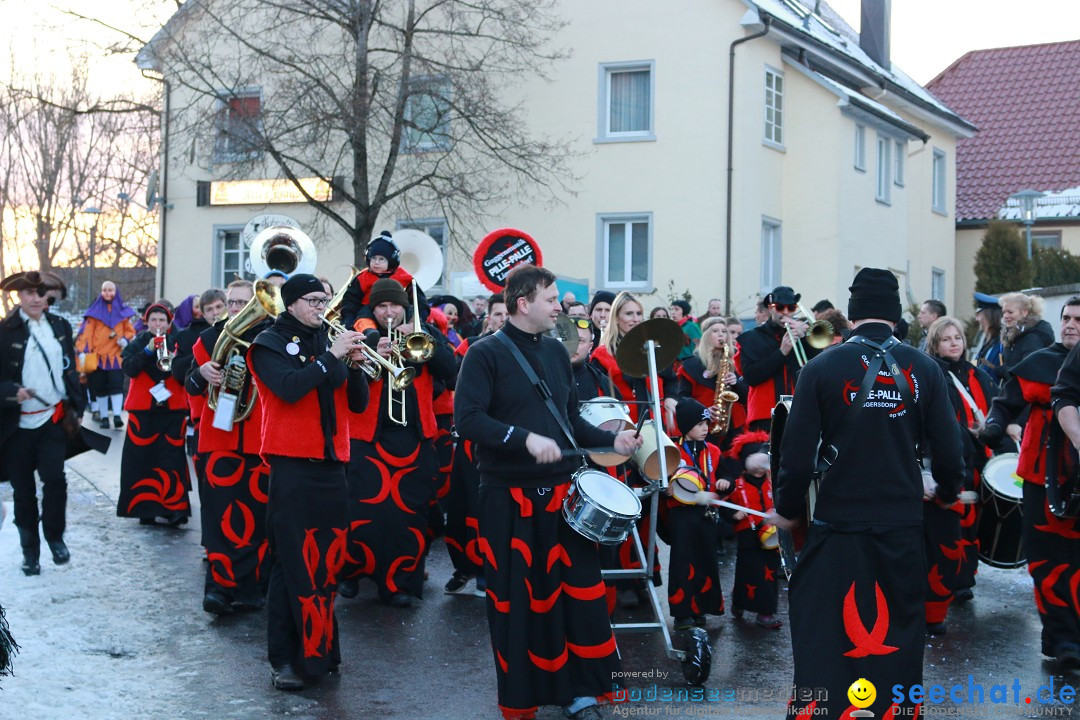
[600, 507]
[609, 414]
[1001, 519]
[647, 459]
[686, 484]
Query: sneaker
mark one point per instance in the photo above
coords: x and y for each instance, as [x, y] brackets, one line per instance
[117, 422]
[963, 595]
[700, 621]
[103, 423]
[936, 628]
[348, 588]
[458, 584]
[400, 600]
[480, 589]
[217, 603]
[684, 623]
[768, 621]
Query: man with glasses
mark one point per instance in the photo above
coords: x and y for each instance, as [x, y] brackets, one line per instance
[212, 305]
[764, 356]
[307, 394]
[232, 475]
[37, 377]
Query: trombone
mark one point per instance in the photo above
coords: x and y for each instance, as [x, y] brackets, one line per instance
[819, 333]
[415, 347]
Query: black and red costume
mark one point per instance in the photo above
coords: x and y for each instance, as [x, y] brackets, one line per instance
[235, 490]
[392, 479]
[462, 504]
[550, 636]
[1049, 542]
[756, 567]
[854, 610]
[693, 383]
[693, 576]
[154, 480]
[181, 368]
[355, 312]
[767, 372]
[307, 395]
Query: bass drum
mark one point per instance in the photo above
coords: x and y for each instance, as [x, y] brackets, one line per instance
[1001, 517]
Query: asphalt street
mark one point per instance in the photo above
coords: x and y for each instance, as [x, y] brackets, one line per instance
[120, 633]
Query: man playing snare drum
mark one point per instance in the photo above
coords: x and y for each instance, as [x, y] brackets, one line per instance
[546, 609]
[1052, 552]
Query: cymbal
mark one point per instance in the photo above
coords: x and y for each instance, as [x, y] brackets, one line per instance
[632, 357]
[565, 331]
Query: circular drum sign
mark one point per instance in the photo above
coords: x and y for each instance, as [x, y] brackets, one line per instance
[500, 252]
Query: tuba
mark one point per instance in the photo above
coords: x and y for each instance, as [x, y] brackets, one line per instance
[230, 402]
[284, 248]
[724, 398]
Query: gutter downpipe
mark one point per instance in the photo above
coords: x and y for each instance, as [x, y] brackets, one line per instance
[730, 155]
[164, 194]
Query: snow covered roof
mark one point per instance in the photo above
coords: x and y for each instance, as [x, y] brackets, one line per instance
[1053, 206]
[827, 28]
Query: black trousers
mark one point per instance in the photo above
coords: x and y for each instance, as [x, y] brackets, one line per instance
[40, 449]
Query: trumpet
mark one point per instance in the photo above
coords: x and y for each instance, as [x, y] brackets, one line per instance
[373, 363]
[164, 355]
[818, 335]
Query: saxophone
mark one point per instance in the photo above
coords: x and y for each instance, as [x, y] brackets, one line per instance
[724, 398]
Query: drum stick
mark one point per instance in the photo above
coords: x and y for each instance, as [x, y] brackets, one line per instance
[577, 452]
[733, 506]
[640, 423]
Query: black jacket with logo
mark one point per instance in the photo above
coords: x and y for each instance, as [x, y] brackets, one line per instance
[876, 478]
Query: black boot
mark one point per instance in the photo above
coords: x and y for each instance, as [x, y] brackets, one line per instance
[31, 547]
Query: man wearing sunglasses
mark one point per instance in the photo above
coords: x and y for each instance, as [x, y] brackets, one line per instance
[764, 356]
[37, 378]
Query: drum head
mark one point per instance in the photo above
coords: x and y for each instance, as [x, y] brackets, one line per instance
[1000, 476]
[686, 484]
[608, 493]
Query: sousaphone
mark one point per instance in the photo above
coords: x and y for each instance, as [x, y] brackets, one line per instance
[284, 248]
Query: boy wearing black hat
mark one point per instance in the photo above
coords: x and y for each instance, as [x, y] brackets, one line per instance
[856, 602]
[764, 356]
[383, 262]
[37, 378]
[393, 463]
[308, 395]
[693, 575]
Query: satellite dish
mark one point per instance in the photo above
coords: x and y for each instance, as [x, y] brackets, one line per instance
[420, 256]
[151, 190]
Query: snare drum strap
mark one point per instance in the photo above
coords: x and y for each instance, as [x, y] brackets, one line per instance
[539, 385]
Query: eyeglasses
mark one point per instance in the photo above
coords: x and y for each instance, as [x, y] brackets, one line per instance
[316, 302]
[785, 308]
[236, 303]
[583, 323]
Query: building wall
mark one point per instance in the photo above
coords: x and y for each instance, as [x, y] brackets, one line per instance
[830, 221]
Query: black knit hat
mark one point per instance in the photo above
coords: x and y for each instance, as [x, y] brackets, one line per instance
[384, 245]
[688, 413]
[874, 294]
[298, 286]
[387, 290]
[601, 296]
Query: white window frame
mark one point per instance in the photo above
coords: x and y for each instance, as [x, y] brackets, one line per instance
[1046, 239]
[218, 270]
[937, 284]
[884, 169]
[774, 127]
[938, 179]
[426, 225]
[772, 247]
[222, 152]
[603, 222]
[441, 141]
[860, 147]
[899, 162]
[604, 133]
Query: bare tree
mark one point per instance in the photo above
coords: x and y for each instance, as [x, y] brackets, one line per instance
[408, 101]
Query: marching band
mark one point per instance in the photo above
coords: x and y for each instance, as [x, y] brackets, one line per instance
[335, 436]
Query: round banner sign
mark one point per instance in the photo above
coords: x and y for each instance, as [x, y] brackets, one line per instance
[500, 252]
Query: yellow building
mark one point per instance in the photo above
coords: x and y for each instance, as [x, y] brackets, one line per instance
[722, 147]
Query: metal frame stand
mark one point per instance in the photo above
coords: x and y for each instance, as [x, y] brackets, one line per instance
[701, 655]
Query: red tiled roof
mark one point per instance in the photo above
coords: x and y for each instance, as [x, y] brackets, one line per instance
[1025, 102]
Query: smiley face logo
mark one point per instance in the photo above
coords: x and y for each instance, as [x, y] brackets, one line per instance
[862, 693]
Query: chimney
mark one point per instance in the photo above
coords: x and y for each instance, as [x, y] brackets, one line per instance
[874, 31]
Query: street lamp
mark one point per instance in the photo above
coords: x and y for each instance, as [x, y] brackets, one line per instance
[1027, 199]
[96, 212]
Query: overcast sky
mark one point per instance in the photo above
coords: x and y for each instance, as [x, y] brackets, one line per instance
[927, 35]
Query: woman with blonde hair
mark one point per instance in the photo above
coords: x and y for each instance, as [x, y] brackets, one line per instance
[699, 374]
[1023, 331]
[626, 314]
[971, 391]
